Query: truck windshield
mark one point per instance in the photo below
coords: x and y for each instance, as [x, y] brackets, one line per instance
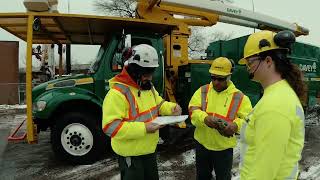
[96, 62]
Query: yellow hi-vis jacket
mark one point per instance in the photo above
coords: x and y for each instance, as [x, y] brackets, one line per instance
[231, 105]
[273, 137]
[125, 115]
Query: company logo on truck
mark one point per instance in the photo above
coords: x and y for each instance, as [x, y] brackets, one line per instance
[308, 67]
[234, 11]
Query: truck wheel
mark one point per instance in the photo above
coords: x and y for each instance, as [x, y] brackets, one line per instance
[77, 138]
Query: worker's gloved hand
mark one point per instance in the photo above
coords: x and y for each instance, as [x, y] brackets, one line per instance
[230, 129]
[211, 122]
[152, 127]
[222, 124]
[176, 111]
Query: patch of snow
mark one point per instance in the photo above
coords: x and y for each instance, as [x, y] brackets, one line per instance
[115, 177]
[312, 117]
[312, 174]
[166, 163]
[17, 106]
[188, 158]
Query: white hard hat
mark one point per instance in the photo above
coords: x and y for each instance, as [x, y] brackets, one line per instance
[144, 55]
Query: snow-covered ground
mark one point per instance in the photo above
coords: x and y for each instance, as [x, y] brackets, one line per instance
[17, 106]
[180, 166]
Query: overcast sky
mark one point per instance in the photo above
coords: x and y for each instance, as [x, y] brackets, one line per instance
[305, 13]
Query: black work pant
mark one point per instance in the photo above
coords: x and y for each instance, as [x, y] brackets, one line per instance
[219, 161]
[142, 167]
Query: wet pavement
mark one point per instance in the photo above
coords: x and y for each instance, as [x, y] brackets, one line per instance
[19, 160]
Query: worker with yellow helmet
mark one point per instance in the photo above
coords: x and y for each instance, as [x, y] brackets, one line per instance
[217, 110]
[272, 137]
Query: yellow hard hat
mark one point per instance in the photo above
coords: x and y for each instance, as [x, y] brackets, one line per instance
[221, 66]
[257, 43]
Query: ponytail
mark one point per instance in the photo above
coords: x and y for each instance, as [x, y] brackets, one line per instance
[290, 72]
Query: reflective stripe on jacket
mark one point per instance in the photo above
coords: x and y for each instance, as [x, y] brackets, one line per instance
[112, 128]
[273, 137]
[233, 107]
[230, 105]
[125, 114]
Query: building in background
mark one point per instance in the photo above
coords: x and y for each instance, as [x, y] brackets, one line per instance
[9, 76]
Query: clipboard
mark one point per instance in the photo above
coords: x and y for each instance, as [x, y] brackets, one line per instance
[164, 120]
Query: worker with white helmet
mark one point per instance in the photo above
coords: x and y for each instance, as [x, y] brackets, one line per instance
[273, 134]
[128, 111]
[217, 111]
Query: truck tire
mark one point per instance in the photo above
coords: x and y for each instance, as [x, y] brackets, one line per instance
[77, 138]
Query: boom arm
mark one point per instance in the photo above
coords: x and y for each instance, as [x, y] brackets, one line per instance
[201, 13]
[206, 10]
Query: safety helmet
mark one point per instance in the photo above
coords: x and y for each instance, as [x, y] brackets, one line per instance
[144, 55]
[259, 42]
[221, 66]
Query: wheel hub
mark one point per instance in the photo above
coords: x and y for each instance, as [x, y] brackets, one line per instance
[77, 139]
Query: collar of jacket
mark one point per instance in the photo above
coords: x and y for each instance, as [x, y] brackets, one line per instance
[230, 89]
[125, 78]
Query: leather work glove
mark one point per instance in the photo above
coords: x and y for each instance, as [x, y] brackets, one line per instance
[230, 129]
[222, 124]
[211, 122]
[176, 111]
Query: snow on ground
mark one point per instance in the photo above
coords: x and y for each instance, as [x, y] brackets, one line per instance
[172, 166]
[313, 116]
[17, 106]
[312, 173]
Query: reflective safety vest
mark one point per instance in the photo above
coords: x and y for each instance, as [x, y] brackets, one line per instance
[134, 114]
[233, 108]
[230, 105]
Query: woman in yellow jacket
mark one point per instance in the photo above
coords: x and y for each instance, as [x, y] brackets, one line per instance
[272, 138]
[217, 111]
[128, 111]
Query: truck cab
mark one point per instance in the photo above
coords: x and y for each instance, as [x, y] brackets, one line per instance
[72, 106]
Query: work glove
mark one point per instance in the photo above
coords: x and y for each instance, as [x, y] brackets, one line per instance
[211, 122]
[223, 127]
[230, 129]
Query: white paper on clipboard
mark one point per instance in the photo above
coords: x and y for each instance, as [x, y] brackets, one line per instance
[163, 120]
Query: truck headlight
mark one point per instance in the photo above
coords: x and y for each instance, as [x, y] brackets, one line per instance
[40, 105]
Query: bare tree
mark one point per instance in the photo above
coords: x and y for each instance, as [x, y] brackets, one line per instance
[200, 39]
[122, 8]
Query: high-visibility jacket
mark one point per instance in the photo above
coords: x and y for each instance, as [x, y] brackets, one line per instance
[125, 114]
[272, 137]
[230, 105]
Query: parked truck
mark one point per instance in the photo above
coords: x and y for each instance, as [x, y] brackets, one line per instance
[306, 56]
[71, 107]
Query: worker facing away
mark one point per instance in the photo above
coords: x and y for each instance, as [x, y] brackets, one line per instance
[128, 110]
[217, 110]
[272, 137]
